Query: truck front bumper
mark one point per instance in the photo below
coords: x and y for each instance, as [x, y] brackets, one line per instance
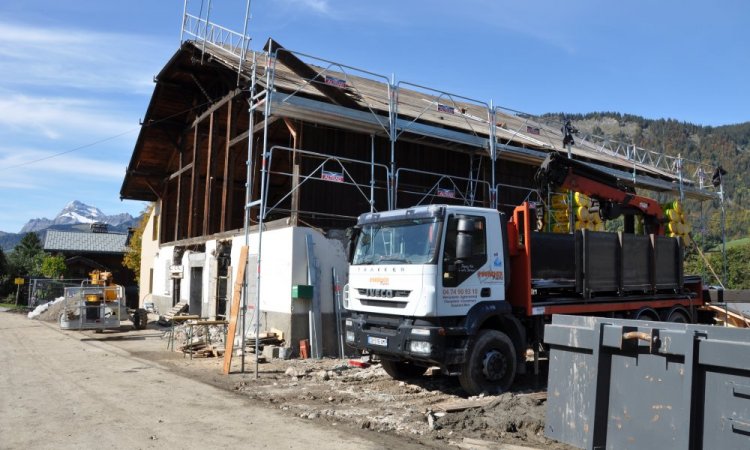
[404, 339]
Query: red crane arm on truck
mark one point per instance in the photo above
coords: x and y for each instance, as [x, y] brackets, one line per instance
[615, 198]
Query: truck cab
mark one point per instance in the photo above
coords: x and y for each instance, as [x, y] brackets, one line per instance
[421, 282]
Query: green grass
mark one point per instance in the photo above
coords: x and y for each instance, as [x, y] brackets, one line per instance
[12, 306]
[733, 244]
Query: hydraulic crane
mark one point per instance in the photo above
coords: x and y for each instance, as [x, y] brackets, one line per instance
[615, 197]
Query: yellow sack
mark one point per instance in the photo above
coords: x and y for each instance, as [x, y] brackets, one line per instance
[582, 214]
[560, 228]
[582, 199]
[559, 215]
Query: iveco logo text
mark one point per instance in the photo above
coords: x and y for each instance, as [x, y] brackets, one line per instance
[387, 293]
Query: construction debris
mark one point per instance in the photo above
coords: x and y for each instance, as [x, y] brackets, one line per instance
[177, 309]
[49, 312]
[192, 339]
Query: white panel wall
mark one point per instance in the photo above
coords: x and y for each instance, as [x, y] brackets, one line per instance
[328, 253]
[276, 267]
[149, 251]
[284, 264]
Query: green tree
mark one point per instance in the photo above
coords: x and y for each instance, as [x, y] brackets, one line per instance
[3, 265]
[26, 259]
[53, 266]
[5, 284]
[738, 266]
[132, 259]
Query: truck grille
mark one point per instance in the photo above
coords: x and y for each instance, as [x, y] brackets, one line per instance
[383, 303]
[386, 294]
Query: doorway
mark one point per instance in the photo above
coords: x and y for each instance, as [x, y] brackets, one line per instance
[196, 291]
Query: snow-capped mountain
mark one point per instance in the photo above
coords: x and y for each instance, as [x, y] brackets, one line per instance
[76, 212]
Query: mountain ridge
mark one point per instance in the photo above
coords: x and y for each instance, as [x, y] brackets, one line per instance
[76, 212]
[75, 216]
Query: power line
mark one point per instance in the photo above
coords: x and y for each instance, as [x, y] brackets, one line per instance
[34, 161]
[107, 139]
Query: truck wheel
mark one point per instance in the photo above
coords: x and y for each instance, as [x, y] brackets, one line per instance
[399, 370]
[678, 315]
[490, 365]
[140, 319]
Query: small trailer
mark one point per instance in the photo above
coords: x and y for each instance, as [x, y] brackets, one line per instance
[98, 304]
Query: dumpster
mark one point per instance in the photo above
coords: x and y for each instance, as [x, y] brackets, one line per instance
[619, 384]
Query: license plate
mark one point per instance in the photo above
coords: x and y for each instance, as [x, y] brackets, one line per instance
[372, 340]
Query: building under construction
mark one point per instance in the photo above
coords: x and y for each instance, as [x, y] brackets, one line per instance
[237, 140]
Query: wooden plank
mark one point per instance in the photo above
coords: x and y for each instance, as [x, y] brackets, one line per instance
[234, 311]
[178, 210]
[209, 177]
[225, 184]
[464, 404]
[304, 71]
[730, 316]
[182, 170]
[193, 183]
[216, 105]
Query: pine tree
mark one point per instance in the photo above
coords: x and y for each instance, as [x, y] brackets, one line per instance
[26, 259]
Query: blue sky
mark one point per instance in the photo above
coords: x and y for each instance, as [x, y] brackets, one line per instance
[76, 76]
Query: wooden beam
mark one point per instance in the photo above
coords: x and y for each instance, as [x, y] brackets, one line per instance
[177, 214]
[193, 183]
[241, 137]
[294, 217]
[234, 312]
[209, 167]
[216, 105]
[182, 169]
[164, 201]
[296, 65]
[225, 186]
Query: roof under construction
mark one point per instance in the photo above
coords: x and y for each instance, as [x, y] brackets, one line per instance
[336, 95]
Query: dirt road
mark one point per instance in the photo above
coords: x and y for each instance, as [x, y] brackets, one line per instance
[75, 390]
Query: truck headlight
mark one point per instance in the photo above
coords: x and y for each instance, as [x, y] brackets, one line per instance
[420, 347]
[420, 331]
[349, 336]
[346, 296]
[348, 323]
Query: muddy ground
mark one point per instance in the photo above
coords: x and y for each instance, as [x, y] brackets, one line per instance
[431, 409]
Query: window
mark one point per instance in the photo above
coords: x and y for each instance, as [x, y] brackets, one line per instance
[468, 232]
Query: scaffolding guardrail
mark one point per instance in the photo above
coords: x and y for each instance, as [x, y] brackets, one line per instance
[340, 175]
[445, 188]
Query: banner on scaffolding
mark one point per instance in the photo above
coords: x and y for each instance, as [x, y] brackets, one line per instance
[332, 176]
[338, 82]
[446, 109]
[446, 193]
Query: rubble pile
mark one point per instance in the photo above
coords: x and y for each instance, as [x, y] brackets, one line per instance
[429, 408]
[49, 312]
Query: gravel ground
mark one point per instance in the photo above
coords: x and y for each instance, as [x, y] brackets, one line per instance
[431, 409]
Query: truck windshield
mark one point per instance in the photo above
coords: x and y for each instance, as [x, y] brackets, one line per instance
[402, 242]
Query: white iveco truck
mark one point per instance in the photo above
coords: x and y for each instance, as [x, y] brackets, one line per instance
[421, 281]
[461, 288]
